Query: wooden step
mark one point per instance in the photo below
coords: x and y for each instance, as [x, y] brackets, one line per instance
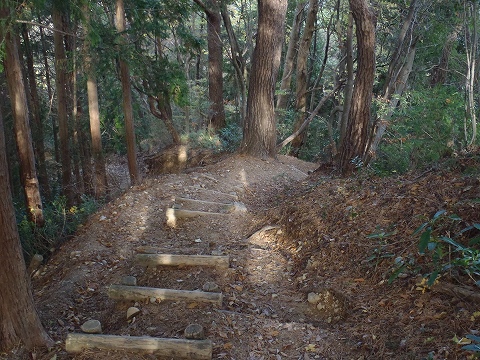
[171, 348]
[174, 214]
[185, 260]
[139, 293]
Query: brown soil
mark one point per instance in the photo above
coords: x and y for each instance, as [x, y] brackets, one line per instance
[301, 234]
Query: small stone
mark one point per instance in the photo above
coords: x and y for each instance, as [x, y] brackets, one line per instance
[211, 287]
[132, 311]
[313, 298]
[194, 332]
[129, 281]
[91, 327]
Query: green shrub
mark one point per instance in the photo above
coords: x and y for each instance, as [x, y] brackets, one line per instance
[446, 252]
[60, 222]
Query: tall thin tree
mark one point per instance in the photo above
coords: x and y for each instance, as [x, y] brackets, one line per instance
[303, 76]
[120, 24]
[23, 137]
[37, 123]
[99, 173]
[215, 66]
[62, 100]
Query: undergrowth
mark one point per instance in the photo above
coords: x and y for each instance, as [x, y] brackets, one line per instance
[60, 222]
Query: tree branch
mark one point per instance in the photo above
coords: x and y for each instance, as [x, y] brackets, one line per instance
[310, 118]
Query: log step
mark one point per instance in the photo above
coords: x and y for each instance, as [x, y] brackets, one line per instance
[138, 293]
[174, 214]
[171, 348]
[185, 260]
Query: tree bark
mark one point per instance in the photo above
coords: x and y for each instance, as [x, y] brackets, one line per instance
[471, 42]
[400, 67]
[127, 99]
[238, 63]
[38, 136]
[383, 122]
[347, 97]
[100, 184]
[395, 62]
[19, 321]
[356, 136]
[50, 94]
[62, 99]
[215, 64]
[440, 71]
[160, 108]
[314, 113]
[259, 132]
[302, 77]
[289, 62]
[23, 137]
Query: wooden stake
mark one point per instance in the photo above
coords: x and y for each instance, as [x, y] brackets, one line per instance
[123, 292]
[172, 348]
[185, 260]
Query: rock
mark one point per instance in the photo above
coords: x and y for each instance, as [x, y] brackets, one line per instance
[313, 298]
[129, 281]
[35, 263]
[132, 311]
[194, 332]
[330, 304]
[211, 287]
[91, 327]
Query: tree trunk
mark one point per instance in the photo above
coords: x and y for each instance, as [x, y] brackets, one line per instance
[62, 99]
[395, 62]
[440, 71]
[127, 99]
[50, 94]
[259, 132]
[400, 67]
[38, 137]
[283, 96]
[356, 136]
[347, 97]
[160, 108]
[215, 66]
[19, 321]
[383, 122]
[302, 77]
[471, 42]
[100, 174]
[18, 98]
[238, 63]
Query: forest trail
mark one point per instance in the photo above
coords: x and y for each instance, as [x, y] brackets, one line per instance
[309, 255]
[262, 315]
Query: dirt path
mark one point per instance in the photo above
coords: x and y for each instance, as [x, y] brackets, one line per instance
[262, 315]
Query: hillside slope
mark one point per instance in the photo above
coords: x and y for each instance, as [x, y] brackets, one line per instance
[310, 260]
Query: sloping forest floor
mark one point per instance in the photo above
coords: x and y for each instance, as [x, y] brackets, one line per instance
[310, 263]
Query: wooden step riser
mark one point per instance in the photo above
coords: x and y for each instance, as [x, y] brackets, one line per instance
[174, 348]
[138, 293]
